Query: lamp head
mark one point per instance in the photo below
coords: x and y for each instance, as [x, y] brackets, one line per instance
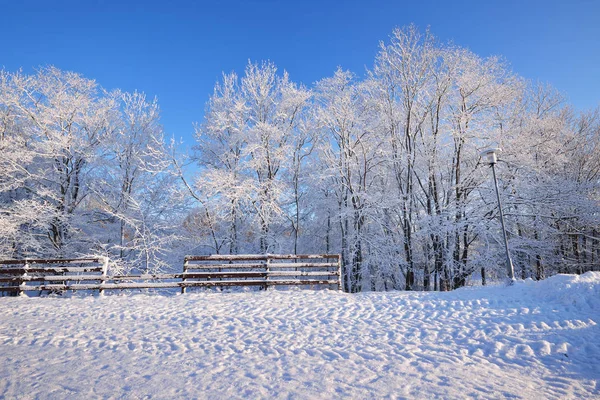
[490, 156]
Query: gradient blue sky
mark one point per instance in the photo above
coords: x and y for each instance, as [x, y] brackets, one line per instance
[176, 50]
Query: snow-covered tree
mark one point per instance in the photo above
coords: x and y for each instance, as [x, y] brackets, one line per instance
[246, 145]
[84, 171]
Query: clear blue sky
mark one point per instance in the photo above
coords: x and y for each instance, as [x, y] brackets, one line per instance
[176, 50]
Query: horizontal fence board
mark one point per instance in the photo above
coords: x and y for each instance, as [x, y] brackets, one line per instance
[134, 285]
[56, 270]
[30, 278]
[262, 266]
[302, 273]
[214, 266]
[50, 261]
[108, 286]
[303, 265]
[304, 282]
[143, 277]
[169, 276]
[227, 257]
[164, 285]
[225, 274]
[301, 256]
[261, 282]
[232, 257]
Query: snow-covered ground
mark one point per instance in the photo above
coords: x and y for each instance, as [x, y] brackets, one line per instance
[532, 340]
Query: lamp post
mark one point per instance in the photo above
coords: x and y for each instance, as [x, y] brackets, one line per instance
[490, 156]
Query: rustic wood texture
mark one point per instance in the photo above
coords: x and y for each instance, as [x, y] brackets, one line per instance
[265, 257]
[50, 261]
[263, 269]
[159, 285]
[232, 266]
[47, 271]
[198, 271]
[53, 274]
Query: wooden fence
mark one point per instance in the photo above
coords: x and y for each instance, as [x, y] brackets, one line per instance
[52, 275]
[58, 275]
[262, 270]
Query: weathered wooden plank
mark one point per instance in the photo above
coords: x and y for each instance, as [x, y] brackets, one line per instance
[143, 277]
[260, 266]
[133, 285]
[251, 282]
[50, 261]
[233, 257]
[12, 279]
[107, 286]
[301, 256]
[128, 285]
[260, 283]
[303, 273]
[224, 266]
[305, 282]
[303, 265]
[56, 270]
[162, 285]
[50, 278]
[216, 275]
[227, 257]
[219, 275]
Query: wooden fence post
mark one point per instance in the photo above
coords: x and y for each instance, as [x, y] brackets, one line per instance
[104, 260]
[339, 257]
[185, 268]
[24, 276]
[268, 268]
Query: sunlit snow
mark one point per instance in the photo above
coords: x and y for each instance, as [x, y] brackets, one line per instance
[531, 340]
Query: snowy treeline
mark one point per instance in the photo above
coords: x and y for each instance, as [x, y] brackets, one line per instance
[386, 169]
[383, 169]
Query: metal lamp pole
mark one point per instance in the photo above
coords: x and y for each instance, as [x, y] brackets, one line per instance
[491, 158]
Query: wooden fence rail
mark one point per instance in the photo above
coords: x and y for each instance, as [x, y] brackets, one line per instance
[57, 275]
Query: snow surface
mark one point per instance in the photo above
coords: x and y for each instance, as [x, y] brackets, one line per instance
[531, 340]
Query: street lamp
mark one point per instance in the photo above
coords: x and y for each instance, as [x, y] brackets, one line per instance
[490, 157]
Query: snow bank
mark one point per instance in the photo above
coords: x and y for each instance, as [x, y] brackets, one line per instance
[530, 340]
[579, 291]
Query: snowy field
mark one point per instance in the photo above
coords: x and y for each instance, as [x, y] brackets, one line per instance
[532, 340]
